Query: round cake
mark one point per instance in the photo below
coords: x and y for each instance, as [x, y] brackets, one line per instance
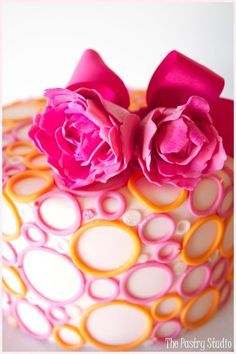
[109, 255]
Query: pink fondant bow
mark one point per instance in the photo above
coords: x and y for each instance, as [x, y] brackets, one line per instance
[175, 80]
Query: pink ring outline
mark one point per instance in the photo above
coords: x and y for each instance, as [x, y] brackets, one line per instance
[172, 335]
[30, 286]
[8, 137]
[228, 211]
[18, 127]
[214, 205]
[48, 228]
[108, 186]
[17, 167]
[149, 217]
[4, 181]
[138, 266]
[15, 160]
[23, 326]
[12, 249]
[223, 272]
[111, 195]
[179, 287]
[56, 321]
[99, 299]
[229, 285]
[173, 254]
[25, 232]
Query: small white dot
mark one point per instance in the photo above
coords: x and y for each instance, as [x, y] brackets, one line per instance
[143, 258]
[182, 227]
[132, 217]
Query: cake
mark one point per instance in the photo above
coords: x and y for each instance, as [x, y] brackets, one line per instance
[118, 207]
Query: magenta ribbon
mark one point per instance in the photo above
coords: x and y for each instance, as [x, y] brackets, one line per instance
[175, 80]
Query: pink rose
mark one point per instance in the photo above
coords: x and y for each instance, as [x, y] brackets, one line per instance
[179, 145]
[86, 138]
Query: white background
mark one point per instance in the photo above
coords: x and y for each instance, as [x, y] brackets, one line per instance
[43, 39]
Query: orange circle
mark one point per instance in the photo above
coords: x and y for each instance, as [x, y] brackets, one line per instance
[224, 252]
[157, 207]
[170, 315]
[210, 313]
[39, 103]
[211, 250]
[104, 273]
[16, 274]
[63, 344]
[17, 144]
[24, 175]
[118, 347]
[13, 208]
[28, 161]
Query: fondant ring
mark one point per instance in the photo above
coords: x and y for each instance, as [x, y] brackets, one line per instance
[11, 170]
[216, 202]
[188, 236]
[56, 319]
[28, 161]
[216, 279]
[12, 252]
[224, 213]
[149, 218]
[173, 335]
[170, 256]
[17, 145]
[18, 294]
[199, 289]
[111, 195]
[225, 297]
[111, 297]
[17, 218]
[25, 198]
[194, 324]
[26, 233]
[154, 206]
[63, 343]
[170, 315]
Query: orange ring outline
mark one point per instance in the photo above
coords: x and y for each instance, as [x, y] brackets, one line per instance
[27, 174]
[157, 207]
[104, 273]
[230, 273]
[10, 148]
[17, 276]
[17, 218]
[28, 161]
[171, 315]
[40, 103]
[119, 347]
[190, 303]
[215, 244]
[223, 252]
[60, 341]
[9, 126]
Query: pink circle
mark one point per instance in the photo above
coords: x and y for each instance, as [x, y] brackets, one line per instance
[227, 211]
[114, 281]
[113, 195]
[47, 227]
[172, 335]
[29, 285]
[24, 327]
[214, 205]
[18, 127]
[12, 250]
[26, 233]
[139, 300]
[9, 139]
[180, 284]
[170, 256]
[228, 287]
[220, 261]
[163, 238]
[10, 170]
[63, 318]
[96, 188]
